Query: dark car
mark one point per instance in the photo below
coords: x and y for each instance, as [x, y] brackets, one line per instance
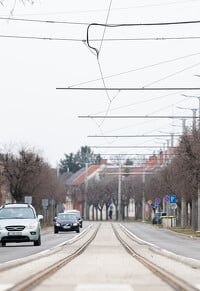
[66, 222]
[78, 215]
[157, 219]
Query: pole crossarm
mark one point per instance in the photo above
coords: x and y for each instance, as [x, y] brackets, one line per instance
[145, 154]
[136, 116]
[128, 88]
[137, 135]
[130, 173]
[125, 146]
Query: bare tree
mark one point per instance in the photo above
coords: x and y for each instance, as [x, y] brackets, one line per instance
[23, 172]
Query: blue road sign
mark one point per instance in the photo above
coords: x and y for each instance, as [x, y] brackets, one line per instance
[157, 201]
[172, 198]
[167, 198]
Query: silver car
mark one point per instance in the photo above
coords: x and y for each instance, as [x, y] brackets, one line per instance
[19, 223]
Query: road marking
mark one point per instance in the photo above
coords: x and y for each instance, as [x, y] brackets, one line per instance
[103, 287]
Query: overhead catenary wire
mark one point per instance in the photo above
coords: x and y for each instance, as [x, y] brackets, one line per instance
[100, 24]
[133, 25]
[138, 69]
[99, 66]
[106, 39]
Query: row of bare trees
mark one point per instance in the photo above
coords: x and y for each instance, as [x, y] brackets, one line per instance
[25, 173]
[180, 176]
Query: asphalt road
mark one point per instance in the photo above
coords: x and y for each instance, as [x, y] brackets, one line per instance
[14, 251]
[166, 239]
[163, 238]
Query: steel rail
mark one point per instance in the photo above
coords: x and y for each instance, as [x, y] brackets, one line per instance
[170, 279]
[35, 279]
[23, 261]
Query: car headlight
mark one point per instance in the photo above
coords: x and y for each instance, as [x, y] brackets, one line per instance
[32, 225]
[57, 224]
[75, 224]
[1, 227]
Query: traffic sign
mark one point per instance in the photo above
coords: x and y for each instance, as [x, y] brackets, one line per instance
[157, 200]
[172, 198]
[167, 198]
[173, 206]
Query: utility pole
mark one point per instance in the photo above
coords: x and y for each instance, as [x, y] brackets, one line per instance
[198, 187]
[194, 110]
[143, 194]
[183, 125]
[198, 97]
[119, 193]
[86, 189]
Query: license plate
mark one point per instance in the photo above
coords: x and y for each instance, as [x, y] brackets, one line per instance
[66, 227]
[15, 233]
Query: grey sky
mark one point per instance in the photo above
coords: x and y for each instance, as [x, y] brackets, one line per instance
[33, 112]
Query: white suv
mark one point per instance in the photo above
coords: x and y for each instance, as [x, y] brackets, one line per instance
[19, 223]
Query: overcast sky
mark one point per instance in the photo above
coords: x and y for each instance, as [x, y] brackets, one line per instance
[45, 56]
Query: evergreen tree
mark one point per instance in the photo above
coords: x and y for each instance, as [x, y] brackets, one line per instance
[74, 162]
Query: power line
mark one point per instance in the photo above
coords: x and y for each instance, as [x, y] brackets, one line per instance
[105, 39]
[44, 21]
[138, 69]
[133, 25]
[40, 38]
[101, 24]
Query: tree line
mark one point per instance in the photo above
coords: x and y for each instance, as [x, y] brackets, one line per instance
[179, 176]
[26, 173]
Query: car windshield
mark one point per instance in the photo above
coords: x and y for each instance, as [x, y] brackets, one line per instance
[17, 213]
[64, 216]
[75, 213]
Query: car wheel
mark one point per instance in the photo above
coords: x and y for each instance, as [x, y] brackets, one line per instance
[37, 242]
[81, 225]
[78, 230]
[55, 230]
[3, 243]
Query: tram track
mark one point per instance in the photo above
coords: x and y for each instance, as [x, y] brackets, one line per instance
[49, 264]
[171, 279]
[22, 261]
[33, 279]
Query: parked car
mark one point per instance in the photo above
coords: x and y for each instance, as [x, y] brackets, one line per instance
[78, 215]
[66, 222]
[19, 223]
[157, 219]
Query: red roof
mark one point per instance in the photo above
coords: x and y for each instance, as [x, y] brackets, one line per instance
[81, 179]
